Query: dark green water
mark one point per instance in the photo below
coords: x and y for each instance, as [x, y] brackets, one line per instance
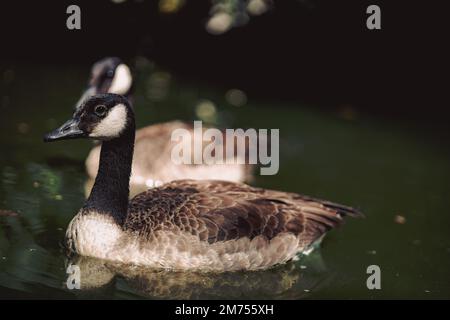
[383, 167]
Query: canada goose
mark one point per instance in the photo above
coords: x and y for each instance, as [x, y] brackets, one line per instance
[187, 224]
[151, 163]
[109, 75]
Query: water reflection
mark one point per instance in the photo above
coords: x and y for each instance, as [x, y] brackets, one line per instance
[292, 280]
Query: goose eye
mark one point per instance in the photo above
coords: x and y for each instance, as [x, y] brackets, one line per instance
[100, 110]
[110, 73]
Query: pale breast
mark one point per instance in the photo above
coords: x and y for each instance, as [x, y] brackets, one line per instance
[96, 237]
[93, 235]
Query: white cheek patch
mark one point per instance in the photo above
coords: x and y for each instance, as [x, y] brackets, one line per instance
[113, 125]
[122, 80]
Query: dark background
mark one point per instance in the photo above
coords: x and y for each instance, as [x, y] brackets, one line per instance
[313, 51]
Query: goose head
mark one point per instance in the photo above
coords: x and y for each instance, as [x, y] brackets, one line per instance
[109, 75]
[101, 117]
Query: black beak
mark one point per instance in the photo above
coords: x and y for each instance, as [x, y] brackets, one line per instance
[68, 130]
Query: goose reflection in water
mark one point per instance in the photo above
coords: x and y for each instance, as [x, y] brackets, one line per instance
[296, 279]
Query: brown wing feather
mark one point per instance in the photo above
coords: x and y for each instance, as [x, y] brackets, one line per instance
[221, 211]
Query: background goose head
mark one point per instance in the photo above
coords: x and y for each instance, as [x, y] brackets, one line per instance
[100, 117]
[109, 75]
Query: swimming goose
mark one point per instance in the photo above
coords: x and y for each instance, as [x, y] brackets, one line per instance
[186, 224]
[151, 163]
[109, 75]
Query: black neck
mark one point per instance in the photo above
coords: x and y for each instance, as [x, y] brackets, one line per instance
[111, 188]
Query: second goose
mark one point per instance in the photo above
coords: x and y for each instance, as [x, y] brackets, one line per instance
[151, 163]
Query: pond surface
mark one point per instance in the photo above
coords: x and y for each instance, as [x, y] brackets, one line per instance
[397, 174]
